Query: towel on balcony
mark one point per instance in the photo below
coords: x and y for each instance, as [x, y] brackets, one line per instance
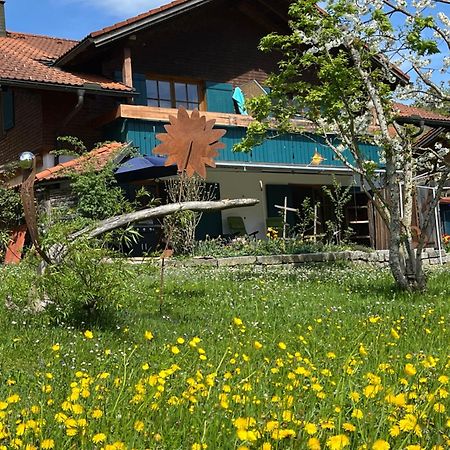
[239, 98]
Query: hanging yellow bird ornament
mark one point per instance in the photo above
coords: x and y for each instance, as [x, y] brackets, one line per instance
[317, 158]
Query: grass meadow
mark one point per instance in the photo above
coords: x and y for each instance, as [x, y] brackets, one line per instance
[321, 357]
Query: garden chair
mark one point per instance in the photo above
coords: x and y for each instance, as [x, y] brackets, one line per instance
[237, 227]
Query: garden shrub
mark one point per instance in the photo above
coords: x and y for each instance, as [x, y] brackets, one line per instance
[91, 280]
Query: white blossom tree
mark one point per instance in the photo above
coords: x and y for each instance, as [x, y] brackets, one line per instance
[339, 69]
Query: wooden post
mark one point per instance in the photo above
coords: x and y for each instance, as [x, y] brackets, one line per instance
[315, 222]
[127, 71]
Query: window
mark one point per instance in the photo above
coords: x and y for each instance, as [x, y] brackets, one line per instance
[6, 110]
[173, 94]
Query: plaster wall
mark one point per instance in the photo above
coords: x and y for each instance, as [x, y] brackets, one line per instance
[247, 184]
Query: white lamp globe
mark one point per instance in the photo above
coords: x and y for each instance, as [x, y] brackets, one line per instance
[26, 160]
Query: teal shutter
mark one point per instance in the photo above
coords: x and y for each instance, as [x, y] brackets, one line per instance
[8, 109]
[219, 97]
[139, 83]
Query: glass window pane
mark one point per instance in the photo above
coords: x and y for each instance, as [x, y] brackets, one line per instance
[180, 92]
[152, 88]
[164, 90]
[152, 102]
[183, 104]
[165, 104]
[193, 106]
[192, 92]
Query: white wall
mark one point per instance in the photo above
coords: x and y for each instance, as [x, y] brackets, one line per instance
[248, 184]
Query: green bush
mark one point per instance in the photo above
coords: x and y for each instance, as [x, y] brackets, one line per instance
[90, 281]
[243, 246]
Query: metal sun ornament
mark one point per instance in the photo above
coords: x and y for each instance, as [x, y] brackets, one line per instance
[191, 142]
[317, 159]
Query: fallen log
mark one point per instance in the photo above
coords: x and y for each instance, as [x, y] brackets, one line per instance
[160, 211]
[57, 252]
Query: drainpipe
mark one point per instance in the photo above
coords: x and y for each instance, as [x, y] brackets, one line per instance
[77, 108]
[2, 19]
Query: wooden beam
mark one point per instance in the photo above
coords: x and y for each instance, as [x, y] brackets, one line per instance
[127, 71]
[156, 114]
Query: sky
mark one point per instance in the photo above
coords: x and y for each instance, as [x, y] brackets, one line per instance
[72, 19]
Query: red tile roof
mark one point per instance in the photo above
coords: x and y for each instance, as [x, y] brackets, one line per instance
[27, 58]
[410, 111]
[137, 18]
[97, 159]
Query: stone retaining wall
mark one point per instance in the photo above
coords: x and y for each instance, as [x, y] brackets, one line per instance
[379, 258]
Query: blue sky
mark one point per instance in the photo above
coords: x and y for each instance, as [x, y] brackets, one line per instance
[72, 19]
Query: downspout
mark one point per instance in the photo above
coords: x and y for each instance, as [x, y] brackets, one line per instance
[78, 106]
[70, 116]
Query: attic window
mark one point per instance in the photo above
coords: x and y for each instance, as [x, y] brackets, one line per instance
[168, 93]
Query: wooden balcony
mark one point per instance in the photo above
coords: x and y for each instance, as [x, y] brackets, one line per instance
[155, 114]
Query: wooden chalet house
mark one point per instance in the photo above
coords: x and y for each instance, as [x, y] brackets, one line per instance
[122, 82]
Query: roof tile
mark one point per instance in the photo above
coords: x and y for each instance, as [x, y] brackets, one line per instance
[137, 18]
[27, 57]
[97, 158]
[410, 111]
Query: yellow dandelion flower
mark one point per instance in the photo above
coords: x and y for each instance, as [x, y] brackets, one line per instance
[357, 413]
[413, 447]
[394, 334]
[347, 426]
[331, 355]
[238, 322]
[410, 370]
[282, 345]
[266, 446]
[139, 426]
[439, 408]
[381, 444]
[88, 334]
[408, 423]
[175, 350]
[15, 398]
[148, 335]
[338, 442]
[56, 347]
[257, 345]
[47, 444]
[98, 438]
[310, 428]
[443, 379]
[313, 444]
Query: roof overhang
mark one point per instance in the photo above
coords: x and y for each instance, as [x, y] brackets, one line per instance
[420, 121]
[133, 27]
[89, 88]
[286, 168]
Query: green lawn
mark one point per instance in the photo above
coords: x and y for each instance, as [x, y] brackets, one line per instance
[317, 357]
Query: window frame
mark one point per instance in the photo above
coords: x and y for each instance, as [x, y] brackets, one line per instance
[176, 79]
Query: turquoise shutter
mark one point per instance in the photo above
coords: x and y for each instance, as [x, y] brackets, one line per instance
[219, 97]
[8, 109]
[139, 83]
